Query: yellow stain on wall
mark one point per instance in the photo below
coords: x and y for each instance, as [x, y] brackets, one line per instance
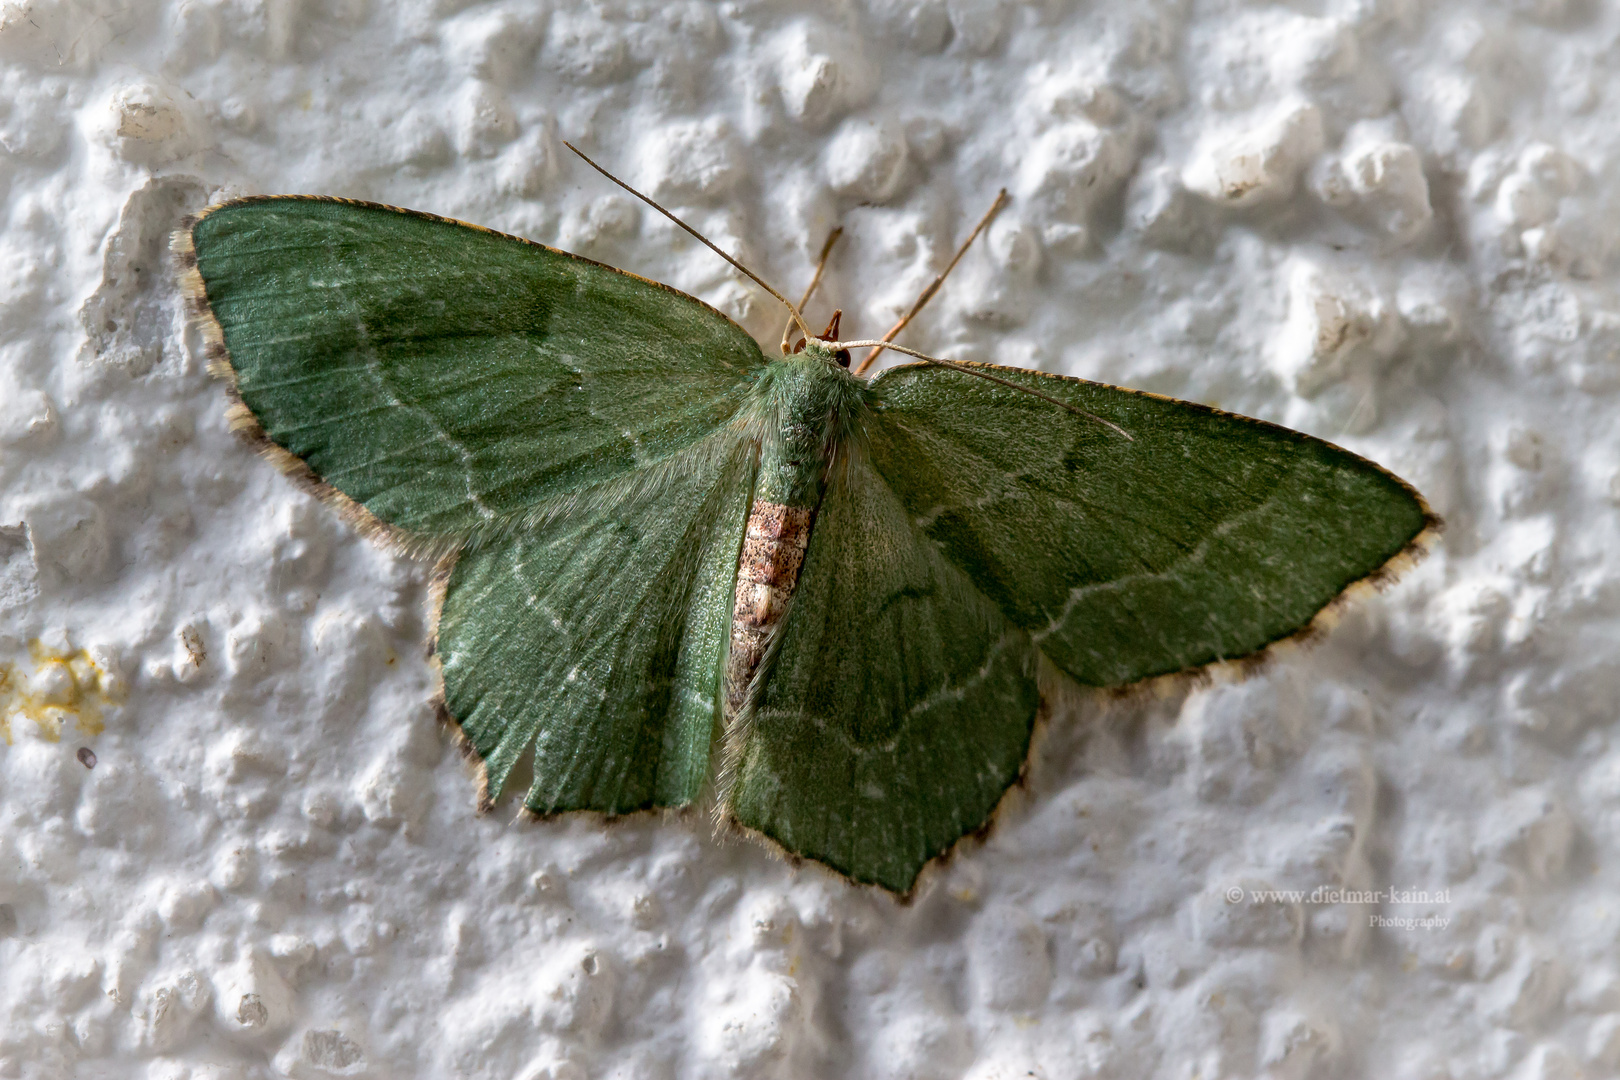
[63, 686]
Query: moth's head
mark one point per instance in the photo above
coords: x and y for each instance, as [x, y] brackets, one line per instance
[816, 347]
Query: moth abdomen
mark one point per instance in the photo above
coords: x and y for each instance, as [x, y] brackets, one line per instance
[767, 572]
[805, 404]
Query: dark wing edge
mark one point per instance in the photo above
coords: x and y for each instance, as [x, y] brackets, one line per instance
[241, 419]
[1059, 692]
[438, 701]
[438, 588]
[483, 802]
[1236, 669]
[1051, 696]
[245, 424]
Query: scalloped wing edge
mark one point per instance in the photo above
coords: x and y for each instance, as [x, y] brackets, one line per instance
[1055, 684]
[1056, 689]
[483, 802]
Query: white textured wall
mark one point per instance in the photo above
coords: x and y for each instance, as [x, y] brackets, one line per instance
[1388, 223]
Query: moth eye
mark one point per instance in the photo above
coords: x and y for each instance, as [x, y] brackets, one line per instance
[843, 358]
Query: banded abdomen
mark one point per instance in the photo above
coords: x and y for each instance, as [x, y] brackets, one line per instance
[768, 569]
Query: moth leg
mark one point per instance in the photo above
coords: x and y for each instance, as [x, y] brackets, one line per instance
[821, 265]
[933, 286]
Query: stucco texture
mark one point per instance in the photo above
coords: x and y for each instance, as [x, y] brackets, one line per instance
[235, 845]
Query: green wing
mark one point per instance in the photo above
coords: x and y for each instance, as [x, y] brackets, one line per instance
[445, 377]
[598, 637]
[899, 705]
[1203, 537]
[561, 422]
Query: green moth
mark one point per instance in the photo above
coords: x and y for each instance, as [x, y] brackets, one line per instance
[678, 572]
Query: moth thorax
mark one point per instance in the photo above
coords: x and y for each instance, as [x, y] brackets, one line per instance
[767, 571]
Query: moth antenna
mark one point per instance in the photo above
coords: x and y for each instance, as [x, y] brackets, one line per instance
[966, 370]
[821, 264]
[933, 286]
[755, 278]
